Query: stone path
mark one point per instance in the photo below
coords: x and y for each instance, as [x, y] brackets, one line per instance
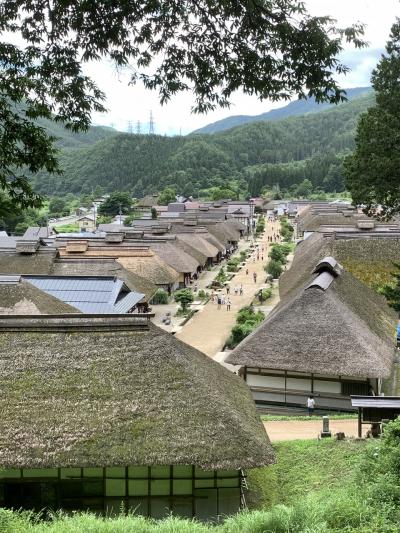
[209, 329]
[309, 429]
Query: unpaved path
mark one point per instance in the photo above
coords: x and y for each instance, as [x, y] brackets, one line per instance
[309, 429]
[209, 329]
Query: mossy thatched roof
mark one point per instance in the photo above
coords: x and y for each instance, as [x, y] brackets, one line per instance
[22, 298]
[102, 391]
[345, 330]
[152, 268]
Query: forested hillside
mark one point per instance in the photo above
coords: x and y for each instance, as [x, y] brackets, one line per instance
[259, 154]
[298, 107]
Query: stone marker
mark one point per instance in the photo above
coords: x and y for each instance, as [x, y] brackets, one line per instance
[325, 427]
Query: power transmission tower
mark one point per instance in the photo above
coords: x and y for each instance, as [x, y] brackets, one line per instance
[130, 127]
[151, 123]
[138, 127]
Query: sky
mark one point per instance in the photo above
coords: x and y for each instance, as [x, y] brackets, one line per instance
[128, 105]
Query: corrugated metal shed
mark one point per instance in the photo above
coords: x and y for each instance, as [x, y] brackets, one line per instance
[377, 402]
[103, 294]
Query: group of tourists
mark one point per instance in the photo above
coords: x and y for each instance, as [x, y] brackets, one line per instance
[273, 238]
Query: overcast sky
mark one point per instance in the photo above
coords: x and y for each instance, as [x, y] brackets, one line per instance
[126, 103]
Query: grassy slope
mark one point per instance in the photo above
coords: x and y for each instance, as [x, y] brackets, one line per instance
[303, 467]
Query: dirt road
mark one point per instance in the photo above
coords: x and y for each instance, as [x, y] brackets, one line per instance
[309, 429]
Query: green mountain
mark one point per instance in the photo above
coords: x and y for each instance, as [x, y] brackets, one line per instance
[68, 139]
[299, 107]
[257, 154]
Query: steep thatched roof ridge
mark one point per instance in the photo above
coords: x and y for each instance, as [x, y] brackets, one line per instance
[152, 268]
[175, 257]
[307, 254]
[24, 299]
[224, 232]
[197, 241]
[345, 330]
[103, 391]
[214, 241]
[103, 267]
[191, 249]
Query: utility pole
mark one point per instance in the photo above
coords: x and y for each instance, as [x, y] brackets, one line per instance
[138, 127]
[130, 127]
[151, 123]
[120, 214]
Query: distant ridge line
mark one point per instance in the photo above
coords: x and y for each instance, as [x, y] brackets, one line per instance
[298, 107]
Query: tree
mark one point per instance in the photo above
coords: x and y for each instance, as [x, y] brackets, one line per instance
[392, 292]
[304, 189]
[274, 269]
[114, 203]
[184, 297]
[277, 254]
[153, 213]
[372, 172]
[166, 196]
[57, 205]
[211, 49]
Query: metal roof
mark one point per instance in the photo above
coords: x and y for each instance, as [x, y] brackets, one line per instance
[322, 281]
[378, 402]
[100, 294]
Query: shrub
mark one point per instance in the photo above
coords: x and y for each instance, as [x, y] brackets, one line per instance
[274, 269]
[202, 294]
[277, 254]
[184, 297]
[160, 297]
[221, 276]
[264, 294]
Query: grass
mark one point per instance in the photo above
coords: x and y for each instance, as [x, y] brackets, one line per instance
[67, 228]
[305, 417]
[303, 467]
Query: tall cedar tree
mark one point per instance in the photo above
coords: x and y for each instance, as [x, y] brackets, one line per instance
[373, 171]
[268, 48]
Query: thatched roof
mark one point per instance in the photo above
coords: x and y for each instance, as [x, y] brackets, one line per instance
[311, 221]
[152, 268]
[214, 241]
[338, 328]
[117, 390]
[198, 242]
[38, 263]
[22, 298]
[148, 201]
[224, 232]
[175, 257]
[104, 267]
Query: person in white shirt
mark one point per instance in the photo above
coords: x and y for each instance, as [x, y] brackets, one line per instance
[310, 405]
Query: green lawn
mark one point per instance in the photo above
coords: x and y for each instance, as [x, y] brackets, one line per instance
[303, 467]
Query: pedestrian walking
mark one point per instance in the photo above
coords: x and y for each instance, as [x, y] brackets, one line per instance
[222, 300]
[310, 405]
[247, 271]
[255, 277]
[228, 304]
[227, 289]
[262, 258]
[219, 301]
[241, 290]
[236, 290]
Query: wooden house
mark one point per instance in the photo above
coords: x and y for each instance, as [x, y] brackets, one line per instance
[117, 414]
[330, 336]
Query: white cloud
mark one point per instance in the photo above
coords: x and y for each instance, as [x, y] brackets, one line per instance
[133, 103]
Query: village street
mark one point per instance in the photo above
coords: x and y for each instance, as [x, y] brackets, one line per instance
[309, 429]
[210, 327]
